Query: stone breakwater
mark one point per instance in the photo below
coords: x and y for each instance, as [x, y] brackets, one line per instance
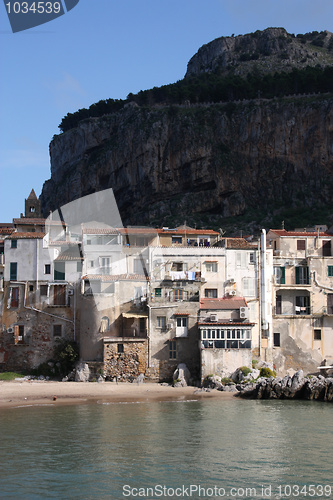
[295, 387]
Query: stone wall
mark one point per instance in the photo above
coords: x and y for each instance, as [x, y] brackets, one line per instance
[127, 365]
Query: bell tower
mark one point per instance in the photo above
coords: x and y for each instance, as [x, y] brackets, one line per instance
[32, 206]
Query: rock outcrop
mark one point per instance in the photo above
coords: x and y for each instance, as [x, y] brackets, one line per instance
[267, 51]
[296, 387]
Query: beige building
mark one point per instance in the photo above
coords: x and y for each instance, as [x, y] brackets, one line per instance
[302, 298]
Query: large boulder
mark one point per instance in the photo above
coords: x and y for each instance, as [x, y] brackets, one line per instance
[82, 372]
[181, 375]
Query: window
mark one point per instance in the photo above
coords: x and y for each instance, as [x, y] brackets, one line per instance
[280, 275]
[31, 288]
[142, 325]
[43, 290]
[177, 240]
[327, 248]
[13, 271]
[302, 275]
[47, 269]
[161, 322]
[249, 287]
[19, 334]
[241, 260]
[178, 294]
[139, 266]
[181, 328]
[57, 330]
[303, 304]
[158, 292]
[317, 334]
[105, 265]
[59, 295]
[32, 210]
[14, 297]
[330, 271]
[59, 271]
[172, 349]
[211, 267]
[300, 244]
[79, 267]
[330, 303]
[120, 348]
[182, 321]
[13, 244]
[177, 267]
[278, 304]
[105, 324]
[252, 255]
[211, 293]
[276, 340]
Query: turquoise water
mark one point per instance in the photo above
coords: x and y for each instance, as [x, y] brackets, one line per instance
[115, 451]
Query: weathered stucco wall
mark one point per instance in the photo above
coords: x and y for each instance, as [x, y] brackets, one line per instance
[224, 362]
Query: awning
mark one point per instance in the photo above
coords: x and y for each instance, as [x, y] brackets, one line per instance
[134, 315]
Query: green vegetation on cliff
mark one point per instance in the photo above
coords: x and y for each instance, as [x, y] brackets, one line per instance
[212, 88]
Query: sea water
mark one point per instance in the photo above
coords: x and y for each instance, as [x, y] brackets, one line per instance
[191, 449]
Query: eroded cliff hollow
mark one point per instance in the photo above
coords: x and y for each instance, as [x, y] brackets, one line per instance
[170, 164]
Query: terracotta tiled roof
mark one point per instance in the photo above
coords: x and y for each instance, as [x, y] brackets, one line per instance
[18, 235]
[29, 220]
[60, 243]
[138, 230]
[174, 231]
[224, 303]
[4, 231]
[115, 277]
[240, 243]
[70, 254]
[100, 231]
[283, 232]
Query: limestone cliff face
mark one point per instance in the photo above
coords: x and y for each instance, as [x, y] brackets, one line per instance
[180, 161]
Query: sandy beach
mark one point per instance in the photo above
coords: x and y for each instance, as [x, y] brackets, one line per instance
[40, 392]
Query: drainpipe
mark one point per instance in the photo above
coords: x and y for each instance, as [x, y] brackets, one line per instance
[149, 339]
[319, 285]
[264, 322]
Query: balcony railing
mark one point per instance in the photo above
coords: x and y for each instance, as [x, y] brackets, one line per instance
[226, 344]
[292, 311]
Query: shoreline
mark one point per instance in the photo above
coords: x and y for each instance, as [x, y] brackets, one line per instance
[18, 394]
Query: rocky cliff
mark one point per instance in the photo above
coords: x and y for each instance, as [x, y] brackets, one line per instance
[268, 51]
[202, 163]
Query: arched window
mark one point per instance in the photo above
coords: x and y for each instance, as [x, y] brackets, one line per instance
[105, 324]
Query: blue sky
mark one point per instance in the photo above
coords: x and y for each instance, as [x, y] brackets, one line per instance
[106, 49]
